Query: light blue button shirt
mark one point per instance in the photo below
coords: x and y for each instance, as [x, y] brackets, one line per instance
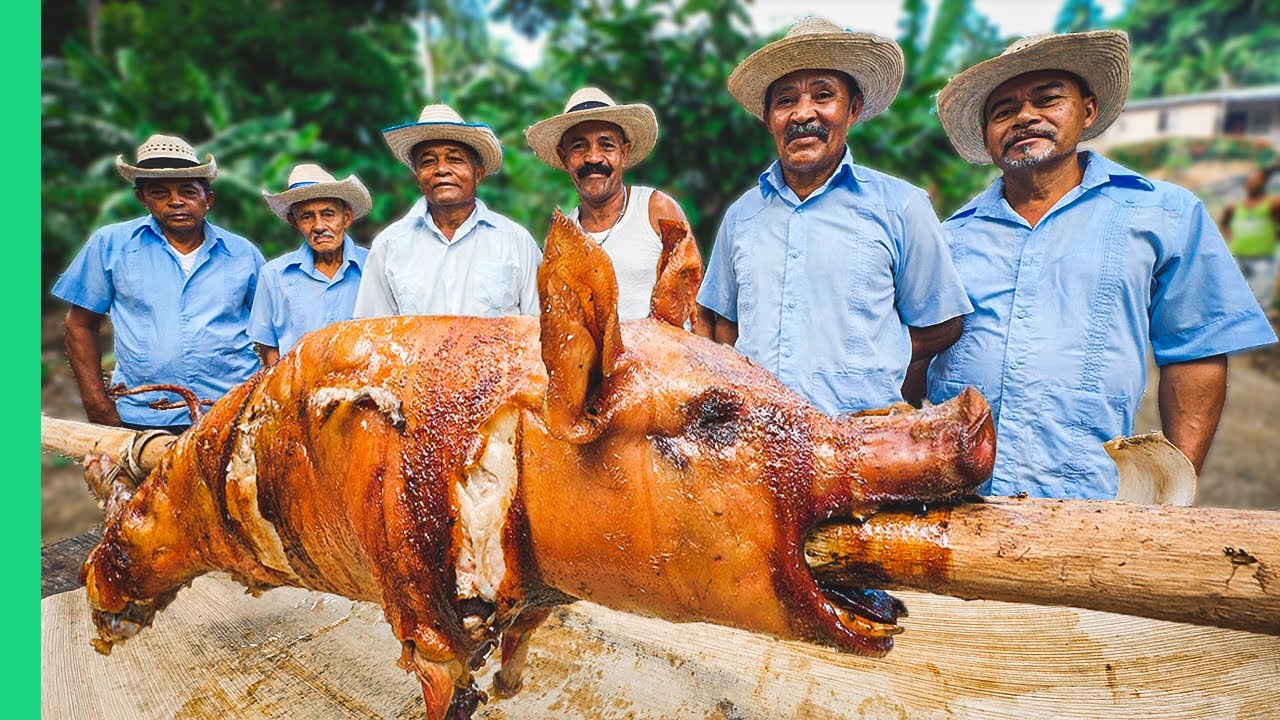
[1064, 313]
[173, 328]
[488, 269]
[294, 298]
[823, 291]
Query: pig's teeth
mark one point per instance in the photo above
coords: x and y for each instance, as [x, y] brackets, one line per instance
[865, 627]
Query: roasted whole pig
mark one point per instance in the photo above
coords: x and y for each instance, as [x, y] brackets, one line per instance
[469, 474]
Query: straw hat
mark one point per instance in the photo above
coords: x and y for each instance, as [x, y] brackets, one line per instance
[166, 156]
[1101, 58]
[637, 121]
[312, 182]
[441, 122]
[816, 44]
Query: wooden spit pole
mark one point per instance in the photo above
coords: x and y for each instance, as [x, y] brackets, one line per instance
[76, 439]
[1207, 566]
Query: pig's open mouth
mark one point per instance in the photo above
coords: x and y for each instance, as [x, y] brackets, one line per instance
[849, 615]
[871, 615]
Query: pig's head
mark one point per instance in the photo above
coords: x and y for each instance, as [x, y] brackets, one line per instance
[670, 475]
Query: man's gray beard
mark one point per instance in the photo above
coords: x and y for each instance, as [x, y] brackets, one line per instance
[1026, 161]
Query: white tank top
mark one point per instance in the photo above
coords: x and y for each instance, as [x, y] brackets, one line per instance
[634, 249]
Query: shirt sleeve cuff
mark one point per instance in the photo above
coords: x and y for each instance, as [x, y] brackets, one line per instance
[264, 337]
[939, 309]
[713, 302]
[1242, 331]
[96, 305]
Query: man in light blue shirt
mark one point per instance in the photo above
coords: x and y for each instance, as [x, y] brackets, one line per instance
[316, 284]
[1074, 265]
[832, 276]
[450, 254]
[178, 289]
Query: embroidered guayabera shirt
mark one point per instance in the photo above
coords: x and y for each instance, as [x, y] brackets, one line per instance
[823, 290]
[1064, 312]
[294, 298]
[489, 269]
[172, 327]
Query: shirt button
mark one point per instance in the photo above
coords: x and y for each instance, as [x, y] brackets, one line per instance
[787, 353]
[795, 254]
[791, 304]
[801, 209]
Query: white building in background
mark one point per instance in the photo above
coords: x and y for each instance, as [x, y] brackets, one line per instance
[1250, 112]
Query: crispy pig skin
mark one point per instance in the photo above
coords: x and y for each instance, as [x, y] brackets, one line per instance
[657, 472]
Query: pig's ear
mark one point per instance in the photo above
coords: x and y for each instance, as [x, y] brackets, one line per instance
[581, 342]
[675, 295]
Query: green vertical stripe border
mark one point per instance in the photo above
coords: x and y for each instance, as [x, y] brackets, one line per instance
[21, 363]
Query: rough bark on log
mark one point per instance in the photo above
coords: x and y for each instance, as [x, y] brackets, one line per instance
[1207, 566]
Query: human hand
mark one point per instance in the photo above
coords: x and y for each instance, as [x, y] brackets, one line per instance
[104, 415]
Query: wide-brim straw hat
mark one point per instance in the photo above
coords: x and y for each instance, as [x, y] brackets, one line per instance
[1100, 58]
[441, 122]
[312, 182]
[816, 44]
[166, 156]
[637, 121]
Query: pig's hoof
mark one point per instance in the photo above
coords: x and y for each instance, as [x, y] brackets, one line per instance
[505, 687]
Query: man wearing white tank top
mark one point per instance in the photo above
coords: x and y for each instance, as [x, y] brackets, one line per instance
[595, 141]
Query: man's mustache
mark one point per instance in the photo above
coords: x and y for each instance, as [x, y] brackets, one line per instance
[812, 128]
[323, 234]
[597, 168]
[1049, 135]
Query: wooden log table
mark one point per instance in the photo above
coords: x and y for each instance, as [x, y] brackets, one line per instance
[219, 653]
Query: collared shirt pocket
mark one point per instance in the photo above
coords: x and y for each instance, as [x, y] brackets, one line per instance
[853, 391]
[941, 391]
[1070, 429]
[496, 288]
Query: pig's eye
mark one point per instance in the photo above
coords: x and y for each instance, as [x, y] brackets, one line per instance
[712, 413]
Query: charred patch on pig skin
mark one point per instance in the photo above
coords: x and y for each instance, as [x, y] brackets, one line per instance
[713, 416]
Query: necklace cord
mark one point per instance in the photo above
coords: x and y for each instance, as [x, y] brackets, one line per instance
[626, 197]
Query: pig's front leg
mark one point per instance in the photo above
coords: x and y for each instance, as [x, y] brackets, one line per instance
[448, 691]
[515, 650]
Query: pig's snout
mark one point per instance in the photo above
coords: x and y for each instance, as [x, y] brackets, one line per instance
[976, 443]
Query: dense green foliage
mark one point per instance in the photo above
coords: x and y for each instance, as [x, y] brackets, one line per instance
[1187, 46]
[264, 86]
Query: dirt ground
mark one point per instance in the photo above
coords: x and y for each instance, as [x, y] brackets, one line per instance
[1243, 469]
